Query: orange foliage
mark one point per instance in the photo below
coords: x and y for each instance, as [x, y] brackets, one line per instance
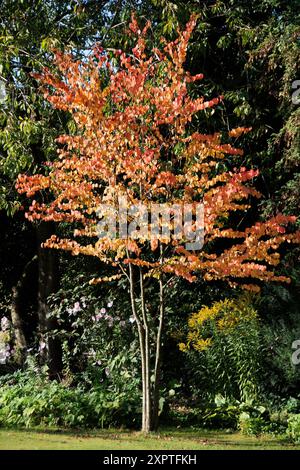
[130, 119]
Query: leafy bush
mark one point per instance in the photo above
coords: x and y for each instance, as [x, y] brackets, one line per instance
[250, 417]
[253, 418]
[280, 376]
[221, 414]
[279, 309]
[101, 380]
[96, 332]
[211, 417]
[223, 349]
[293, 430]
[30, 399]
[251, 426]
[219, 417]
[257, 419]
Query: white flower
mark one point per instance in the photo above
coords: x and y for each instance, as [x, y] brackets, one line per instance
[110, 304]
[5, 323]
[77, 307]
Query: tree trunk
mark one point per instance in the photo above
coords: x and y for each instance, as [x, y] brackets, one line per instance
[143, 334]
[20, 343]
[147, 373]
[150, 396]
[157, 369]
[18, 314]
[47, 284]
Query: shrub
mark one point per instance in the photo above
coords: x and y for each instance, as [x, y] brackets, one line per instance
[223, 348]
[32, 400]
[219, 417]
[257, 419]
[221, 414]
[251, 426]
[293, 430]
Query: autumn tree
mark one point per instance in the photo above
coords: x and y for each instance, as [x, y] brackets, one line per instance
[134, 141]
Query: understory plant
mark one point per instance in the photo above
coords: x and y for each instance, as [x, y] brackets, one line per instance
[30, 399]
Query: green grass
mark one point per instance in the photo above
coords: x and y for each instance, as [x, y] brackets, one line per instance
[167, 439]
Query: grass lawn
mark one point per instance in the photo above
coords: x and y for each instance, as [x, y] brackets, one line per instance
[167, 439]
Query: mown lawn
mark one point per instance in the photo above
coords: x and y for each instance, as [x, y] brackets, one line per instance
[167, 439]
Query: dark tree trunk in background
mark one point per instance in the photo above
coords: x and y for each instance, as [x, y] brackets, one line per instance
[16, 318]
[48, 282]
[18, 313]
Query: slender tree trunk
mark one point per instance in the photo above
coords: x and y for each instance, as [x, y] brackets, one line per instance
[147, 374]
[158, 346]
[157, 368]
[47, 284]
[150, 401]
[145, 357]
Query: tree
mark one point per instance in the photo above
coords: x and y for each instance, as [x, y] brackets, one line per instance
[134, 141]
